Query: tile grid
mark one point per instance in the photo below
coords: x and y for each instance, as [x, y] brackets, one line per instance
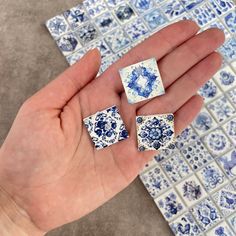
[209, 132]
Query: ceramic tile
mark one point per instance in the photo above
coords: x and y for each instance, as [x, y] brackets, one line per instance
[230, 21]
[173, 9]
[190, 4]
[142, 5]
[185, 225]
[155, 181]
[142, 81]
[232, 221]
[230, 129]
[114, 3]
[102, 46]
[196, 155]
[155, 132]
[106, 127]
[124, 13]
[95, 7]
[73, 58]
[206, 214]
[232, 96]
[222, 6]
[170, 205]
[228, 49]
[191, 190]
[164, 154]
[221, 230]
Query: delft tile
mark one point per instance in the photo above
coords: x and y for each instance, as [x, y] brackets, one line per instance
[206, 214]
[230, 129]
[222, 6]
[190, 4]
[142, 5]
[76, 16]
[196, 155]
[108, 61]
[209, 91]
[176, 168]
[57, 26]
[230, 21]
[232, 96]
[225, 199]
[68, 43]
[166, 153]
[204, 15]
[185, 225]
[76, 56]
[204, 122]
[124, 13]
[170, 205]
[191, 190]
[102, 46]
[221, 230]
[136, 29]
[95, 7]
[226, 78]
[217, 142]
[212, 177]
[87, 33]
[173, 9]
[228, 49]
[221, 109]
[155, 19]
[142, 81]
[114, 3]
[228, 163]
[106, 127]
[219, 25]
[155, 181]
[117, 40]
[232, 221]
[155, 132]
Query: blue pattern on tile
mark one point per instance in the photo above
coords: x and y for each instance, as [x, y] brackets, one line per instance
[173, 9]
[124, 13]
[142, 5]
[190, 4]
[228, 50]
[230, 21]
[222, 6]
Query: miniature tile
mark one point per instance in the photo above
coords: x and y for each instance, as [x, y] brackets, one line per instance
[226, 78]
[164, 154]
[209, 91]
[117, 40]
[225, 199]
[95, 7]
[206, 214]
[204, 122]
[170, 205]
[228, 163]
[106, 127]
[219, 25]
[155, 132]
[230, 129]
[76, 16]
[76, 56]
[221, 230]
[222, 6]
[230, 20]
[204, 15]
[185, 225]
[57, 26]
[142, 5]
[142, 81]
[176, 168]
[124, 13]
[191, 190]
[232, 221]
[68, 43]
[217, 142]
[155, 181]
[190, 4]
[102, 47]
[106, 22]
[212, 177]
[221, 108]
[114, 3]
[232, 96]
[173, 9]
[87, 33]
[155, 19]
[228, 49]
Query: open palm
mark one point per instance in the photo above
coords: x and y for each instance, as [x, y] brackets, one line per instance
[48, 163]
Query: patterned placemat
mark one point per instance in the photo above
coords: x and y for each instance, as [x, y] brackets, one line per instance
[194, 183]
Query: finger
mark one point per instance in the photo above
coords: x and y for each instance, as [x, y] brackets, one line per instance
[185, 87]
[57, 93]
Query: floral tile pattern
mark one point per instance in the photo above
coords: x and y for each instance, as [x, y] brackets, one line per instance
[124, 13]
[228, 50]
[173, 9]
[142, 5]
[221, 230]
[230, 20]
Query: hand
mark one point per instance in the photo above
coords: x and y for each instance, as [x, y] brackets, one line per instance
[48, 164]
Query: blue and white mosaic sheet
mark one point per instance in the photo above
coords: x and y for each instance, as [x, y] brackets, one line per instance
[194, 181]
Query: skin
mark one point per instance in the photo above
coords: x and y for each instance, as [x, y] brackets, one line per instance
[49, 169]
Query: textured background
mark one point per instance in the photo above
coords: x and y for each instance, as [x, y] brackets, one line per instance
[29, 59]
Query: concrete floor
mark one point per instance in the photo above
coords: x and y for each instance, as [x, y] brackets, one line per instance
[29, 59]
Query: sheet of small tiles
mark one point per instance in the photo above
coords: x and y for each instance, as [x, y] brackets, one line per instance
[193, 183]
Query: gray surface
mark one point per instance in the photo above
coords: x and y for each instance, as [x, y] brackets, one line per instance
[28, 60]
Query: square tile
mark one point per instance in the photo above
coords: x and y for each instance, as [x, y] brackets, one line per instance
[76, 56]
[230, 129]
[155, 132]
[222, 6]
[142, 81]
[232, 221]
[142, 5]
[102, 47]
[212, 177]
[196, 155]
[206, 214]
[190, 4]
[170, 205]
[185, 225]
[155, 181]
[166, 153]
[124, 13]
[232, 96]
[221, 230]
[230, 20]
[228, 49]
[191, 190]
[173, 9]
[106, 127]
[95, 7]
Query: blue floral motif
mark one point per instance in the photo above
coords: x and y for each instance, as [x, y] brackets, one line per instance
[228, 200]
[192, 190]
[203, 122]
[208, 90]
[228, 162]
[94, 7]
[142, 5]
[226, 78]
[106, 22]
[87, 33]
[228, 49]
[124, 13]
[186, 137]
[173, 9]
[230, 21]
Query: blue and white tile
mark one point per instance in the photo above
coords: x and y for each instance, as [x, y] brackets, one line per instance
[217, 142]
[185, 225]
[95, 7]
[142, 81]
[190, 4]
[155, 181]
[191, 190]
[76, 56]
[106, 127]
[206, 214]
[173, 9]
[108, 61]
[230, 21]
[230, 129]
[170, 205]
[222, 6]
[228, 49]
[196, 155]
[155, 132]
[232, 221]
[232, 96]
[124, 13]
[212, 177]
[102, 47]
[219, 25]
[164, 154]
[114, 3]
[142, 5]
[221, 230]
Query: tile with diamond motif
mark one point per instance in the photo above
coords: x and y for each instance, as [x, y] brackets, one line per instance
[142, 81]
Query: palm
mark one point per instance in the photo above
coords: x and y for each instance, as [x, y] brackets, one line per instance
[57, 175]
